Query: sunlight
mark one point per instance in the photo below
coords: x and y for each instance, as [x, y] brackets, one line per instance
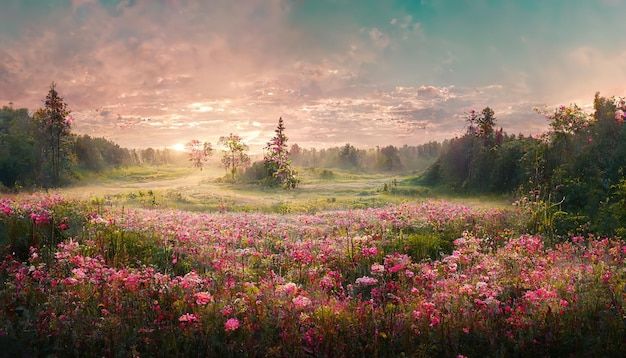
[179, 147]
[313, 178]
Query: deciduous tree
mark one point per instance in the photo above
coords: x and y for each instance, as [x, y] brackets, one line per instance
[234, 153]
[198, 152]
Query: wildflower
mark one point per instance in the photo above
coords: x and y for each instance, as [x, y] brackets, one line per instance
[289, 288]
[327, 282]
[434, 320]
[369, 251]
[232, 324]
[227, 311]
[203, 298]
[301, 302]
[40, 218]
[188, 318]
[5, 208]
[377, 269]
[366, 281]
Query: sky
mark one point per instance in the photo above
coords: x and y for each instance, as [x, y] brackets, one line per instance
[160, 73]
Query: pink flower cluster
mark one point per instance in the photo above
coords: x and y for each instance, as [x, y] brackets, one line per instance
[310, 284]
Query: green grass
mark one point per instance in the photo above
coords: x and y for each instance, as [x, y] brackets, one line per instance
[186, 188]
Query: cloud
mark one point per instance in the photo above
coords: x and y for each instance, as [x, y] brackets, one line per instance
[378, 38]
[147, 74]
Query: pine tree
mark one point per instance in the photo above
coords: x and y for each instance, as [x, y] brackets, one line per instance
[55, 127]
[277, 159]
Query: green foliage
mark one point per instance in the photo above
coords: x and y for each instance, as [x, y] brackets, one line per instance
[374, 160]
[234, 154]
[26, 159]
[579, 164]
[277, 162]
[19, 149]
[420, 245]
[326, 174]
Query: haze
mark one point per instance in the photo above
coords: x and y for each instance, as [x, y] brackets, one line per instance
[158, 73]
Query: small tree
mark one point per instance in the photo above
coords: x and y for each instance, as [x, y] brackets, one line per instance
[277, 159]
[486, 122]
[567, 119]
[348, 156]
[234, 153]
[199, 152]
[55, 128]
[472, 118]
[481, 124]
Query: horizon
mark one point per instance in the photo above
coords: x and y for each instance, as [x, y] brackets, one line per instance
[375, 74]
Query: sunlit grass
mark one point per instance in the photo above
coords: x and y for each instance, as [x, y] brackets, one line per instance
[185, 188]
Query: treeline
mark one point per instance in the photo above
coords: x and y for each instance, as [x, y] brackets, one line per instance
[572, 176]
[379, 159]
[25, 152]
[100, 153]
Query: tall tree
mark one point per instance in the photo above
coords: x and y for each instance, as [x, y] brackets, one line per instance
[55, 126]
[234, 153]
[277, 159]
[348, 156]
[199, 152]
[486, 122]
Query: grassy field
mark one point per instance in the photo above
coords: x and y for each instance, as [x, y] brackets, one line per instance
[194, 190]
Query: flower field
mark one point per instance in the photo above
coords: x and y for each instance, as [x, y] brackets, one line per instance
[421, 279]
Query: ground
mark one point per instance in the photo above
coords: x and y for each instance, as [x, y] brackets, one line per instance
[191, 189]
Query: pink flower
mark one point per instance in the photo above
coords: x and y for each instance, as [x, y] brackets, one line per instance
[6, 209]
[289, 288]
[434, 320]
[40, 218]
[366, 281]
[131, 282]
[396, 268]
[369, 251]
[203, 298]
[377, 269]
[301, 302]
[227, 311]
[188, 318]
[232, 324]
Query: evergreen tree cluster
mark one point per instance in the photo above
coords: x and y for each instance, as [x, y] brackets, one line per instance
[577, 168]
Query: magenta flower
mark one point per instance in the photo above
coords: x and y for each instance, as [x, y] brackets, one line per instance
[232, 324]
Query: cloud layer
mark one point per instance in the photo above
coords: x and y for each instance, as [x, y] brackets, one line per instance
[148, 73]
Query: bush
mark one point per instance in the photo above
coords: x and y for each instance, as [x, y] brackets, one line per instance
[326, 174]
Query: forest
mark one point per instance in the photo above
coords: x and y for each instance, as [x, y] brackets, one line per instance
[575, 170]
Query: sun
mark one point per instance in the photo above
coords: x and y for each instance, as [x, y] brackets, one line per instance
[179, 147]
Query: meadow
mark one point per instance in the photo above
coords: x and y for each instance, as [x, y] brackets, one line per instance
[322, 178]
[181, 187]
[168, 261]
